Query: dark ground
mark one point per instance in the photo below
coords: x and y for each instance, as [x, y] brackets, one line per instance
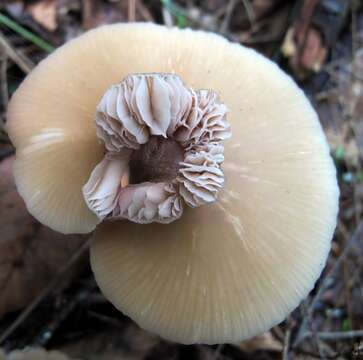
[49, 298]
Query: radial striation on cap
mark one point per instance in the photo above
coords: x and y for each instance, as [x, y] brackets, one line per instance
[222, 272]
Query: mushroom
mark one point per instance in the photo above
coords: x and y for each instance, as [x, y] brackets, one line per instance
[220, 272]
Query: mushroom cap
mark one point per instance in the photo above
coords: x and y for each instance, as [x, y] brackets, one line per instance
[223, 272]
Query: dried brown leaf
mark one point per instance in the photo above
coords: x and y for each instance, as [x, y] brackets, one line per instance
[305, 50]
[304, 45]
[314, 53]
[30, 254]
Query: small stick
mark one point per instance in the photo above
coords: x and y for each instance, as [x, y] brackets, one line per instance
[217, 352]
[250, 13]
[106, 319]
[4, 80]
[354, 27]
[3, 88]
[46, 291]
[336, 335]
[227, 18]
[167, 17]
[24, 63]
[144, 11]
[132, 10]
[285, 352]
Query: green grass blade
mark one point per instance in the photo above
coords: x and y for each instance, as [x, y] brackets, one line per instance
[177, 11]
[26, 34]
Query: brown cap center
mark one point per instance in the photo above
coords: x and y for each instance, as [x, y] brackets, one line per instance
[156, 161]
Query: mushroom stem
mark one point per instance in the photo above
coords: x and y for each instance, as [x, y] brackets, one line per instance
[157, 161]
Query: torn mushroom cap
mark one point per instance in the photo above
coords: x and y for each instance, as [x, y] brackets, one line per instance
[223, 272]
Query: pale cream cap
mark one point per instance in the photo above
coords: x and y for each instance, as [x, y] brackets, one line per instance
[223, 272]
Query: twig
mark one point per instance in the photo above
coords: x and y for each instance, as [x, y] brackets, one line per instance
[335, 356]
[24, 63]
[217, 352]
[250, 13]
[336, 335]
[357, 235]
[306, 14]
[278, 333]
[4, 95]
[354, 27]
[45, 292]
[227, 17]
[285, 352]
[87, 10]
[144, 11]
[132, 10]
[167, 17]
[263, 39]
[106, 319]
[4, 80]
